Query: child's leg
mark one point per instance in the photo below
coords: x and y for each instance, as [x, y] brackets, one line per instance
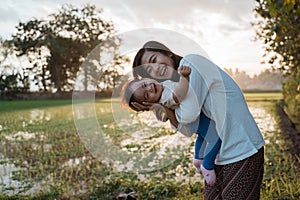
[210, 153]
[200, 143]
[208, 164]
[207, 130]
[213, 144]
[199, 151]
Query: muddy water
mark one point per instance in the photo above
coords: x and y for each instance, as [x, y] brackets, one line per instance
[13, 130]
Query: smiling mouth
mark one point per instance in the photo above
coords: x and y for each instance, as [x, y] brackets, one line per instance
[163, 70]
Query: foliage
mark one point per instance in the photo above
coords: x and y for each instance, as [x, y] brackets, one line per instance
[292, 101]
[9, 84]
[58, 45]
[3, 51]
[12, 79]
[281, 178]
[101, 68]
[155, 188]
[279, 29]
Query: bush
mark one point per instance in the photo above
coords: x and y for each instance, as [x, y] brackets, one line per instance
[291, 98]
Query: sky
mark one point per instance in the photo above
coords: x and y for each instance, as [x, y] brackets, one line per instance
[221, 27]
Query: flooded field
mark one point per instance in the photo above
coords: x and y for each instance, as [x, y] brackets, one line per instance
[71, 150]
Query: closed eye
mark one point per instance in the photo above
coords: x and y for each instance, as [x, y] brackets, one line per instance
[152, 59]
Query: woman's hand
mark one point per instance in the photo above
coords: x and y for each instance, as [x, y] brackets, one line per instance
[156, 108]
[141, 107]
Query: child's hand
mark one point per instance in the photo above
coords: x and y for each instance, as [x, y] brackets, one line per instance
[184, 71]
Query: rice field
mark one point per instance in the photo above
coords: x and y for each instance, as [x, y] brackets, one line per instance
[270, 96]
[95, 150]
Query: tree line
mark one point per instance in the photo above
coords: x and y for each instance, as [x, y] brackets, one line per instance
[54, 49]
[267, 80]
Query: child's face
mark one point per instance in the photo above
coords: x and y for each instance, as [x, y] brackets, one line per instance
[147, 90]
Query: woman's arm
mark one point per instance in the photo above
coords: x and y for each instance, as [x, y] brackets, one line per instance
[171, 116]
[159, 111]
[178, 126]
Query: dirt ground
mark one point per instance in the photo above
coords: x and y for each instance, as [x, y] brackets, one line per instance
[290, 134]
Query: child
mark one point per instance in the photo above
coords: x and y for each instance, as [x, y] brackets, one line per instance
[172, 94]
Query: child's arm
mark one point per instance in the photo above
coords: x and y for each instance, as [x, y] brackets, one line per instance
[183, 84]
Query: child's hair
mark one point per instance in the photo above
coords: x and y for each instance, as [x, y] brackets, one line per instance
[127, 97]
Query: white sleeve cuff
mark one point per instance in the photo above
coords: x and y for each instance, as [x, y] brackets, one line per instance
[183, 130]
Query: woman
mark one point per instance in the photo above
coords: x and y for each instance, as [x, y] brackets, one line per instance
[150, 91]
[239, 165]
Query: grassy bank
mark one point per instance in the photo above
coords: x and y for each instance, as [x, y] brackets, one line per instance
[281, 178]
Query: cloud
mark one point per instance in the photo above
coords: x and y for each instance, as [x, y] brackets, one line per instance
[180, 10]
[144, 13]
[196, 18]
[216, 25]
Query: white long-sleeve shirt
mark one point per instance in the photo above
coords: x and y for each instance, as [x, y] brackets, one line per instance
[222, 101]
[189, 101]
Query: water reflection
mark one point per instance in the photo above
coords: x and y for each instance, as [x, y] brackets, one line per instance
[149, 135]
[20, 136]
[264, 119]
[7, 184]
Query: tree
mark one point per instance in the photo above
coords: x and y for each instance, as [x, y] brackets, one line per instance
[9, 84]
[3, 51]
[11, 79]
[57, 46]
[279, 28]
[242, 78]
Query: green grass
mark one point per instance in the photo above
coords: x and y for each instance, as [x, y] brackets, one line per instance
[16, 105]
[264, 96]
[56, 142]
[281, 179]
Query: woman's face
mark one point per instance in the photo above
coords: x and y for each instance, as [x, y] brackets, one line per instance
[147, 90]
[158, 65]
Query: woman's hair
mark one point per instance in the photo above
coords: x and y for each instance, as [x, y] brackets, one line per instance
[127, 97]
[156, 47]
